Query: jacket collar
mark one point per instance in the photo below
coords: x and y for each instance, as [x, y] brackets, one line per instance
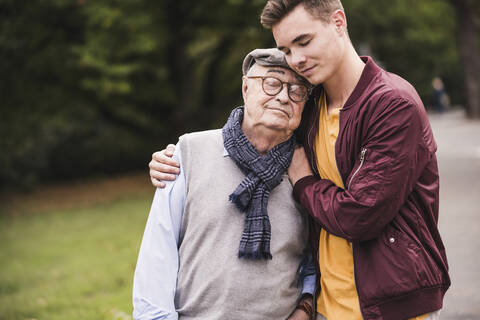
[370, 71]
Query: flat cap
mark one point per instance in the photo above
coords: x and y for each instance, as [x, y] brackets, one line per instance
[264, 57]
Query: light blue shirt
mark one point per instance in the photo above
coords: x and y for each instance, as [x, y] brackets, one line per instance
[155, 278]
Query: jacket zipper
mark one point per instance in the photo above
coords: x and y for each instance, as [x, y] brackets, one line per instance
[362, 159]
[309, 139]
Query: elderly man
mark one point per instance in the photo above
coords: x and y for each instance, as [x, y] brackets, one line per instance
[205, 257]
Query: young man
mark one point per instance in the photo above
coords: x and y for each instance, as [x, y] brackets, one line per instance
[368, 174]
[204, 257]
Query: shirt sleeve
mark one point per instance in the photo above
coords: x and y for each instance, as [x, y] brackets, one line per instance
[307, 273]
[155, 277]
[309, 284]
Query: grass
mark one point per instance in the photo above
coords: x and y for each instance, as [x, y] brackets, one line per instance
[72, 257]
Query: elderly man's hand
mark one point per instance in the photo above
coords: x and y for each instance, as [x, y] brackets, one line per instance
[298, 315]
[163, 167]
[300, 166]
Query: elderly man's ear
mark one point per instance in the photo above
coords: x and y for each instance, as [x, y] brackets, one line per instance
[244, 87]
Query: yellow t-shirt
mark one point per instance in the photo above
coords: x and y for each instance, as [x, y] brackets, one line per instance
[338, 298]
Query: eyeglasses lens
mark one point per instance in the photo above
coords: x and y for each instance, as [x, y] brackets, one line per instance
[296, 92]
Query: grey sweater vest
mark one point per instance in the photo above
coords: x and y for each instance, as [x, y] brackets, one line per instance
[213, 283]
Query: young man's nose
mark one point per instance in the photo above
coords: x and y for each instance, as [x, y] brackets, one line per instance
[297, 60]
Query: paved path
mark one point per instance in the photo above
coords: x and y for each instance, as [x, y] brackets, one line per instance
[459, 163]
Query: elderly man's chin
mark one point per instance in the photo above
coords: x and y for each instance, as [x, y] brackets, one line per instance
[278, 120]
[278, 111]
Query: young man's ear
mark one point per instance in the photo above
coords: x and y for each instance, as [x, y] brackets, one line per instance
[339, 20]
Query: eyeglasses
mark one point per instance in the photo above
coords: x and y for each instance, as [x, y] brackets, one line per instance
[272, 86]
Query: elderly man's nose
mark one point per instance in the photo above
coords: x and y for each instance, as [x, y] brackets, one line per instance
[282, 96]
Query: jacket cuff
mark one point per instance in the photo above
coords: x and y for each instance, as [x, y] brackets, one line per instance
[301, 185]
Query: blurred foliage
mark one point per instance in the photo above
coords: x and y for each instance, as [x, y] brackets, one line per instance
[415, 39]
[93, 87]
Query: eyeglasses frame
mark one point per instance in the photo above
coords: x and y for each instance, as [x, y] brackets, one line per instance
[309, 88]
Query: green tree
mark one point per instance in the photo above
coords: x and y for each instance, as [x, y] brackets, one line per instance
[96, 86]
[38, 79]
[93, 87]
[414, 39]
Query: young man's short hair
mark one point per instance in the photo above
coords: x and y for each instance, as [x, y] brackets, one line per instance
[276, 10]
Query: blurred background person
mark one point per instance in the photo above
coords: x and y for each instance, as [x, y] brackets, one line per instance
[440, 99]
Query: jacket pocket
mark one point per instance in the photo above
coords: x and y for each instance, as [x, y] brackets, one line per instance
[370, 174]
[398, 265]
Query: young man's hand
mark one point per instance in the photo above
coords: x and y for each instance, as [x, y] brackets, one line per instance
[163, 167]
[300, 166]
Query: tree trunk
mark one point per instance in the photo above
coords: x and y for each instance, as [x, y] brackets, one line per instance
[468, 21]
[179, 64]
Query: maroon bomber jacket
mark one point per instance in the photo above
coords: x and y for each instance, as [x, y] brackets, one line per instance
[385, 154]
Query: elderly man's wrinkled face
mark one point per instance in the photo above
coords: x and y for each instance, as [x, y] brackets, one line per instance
[274, 98]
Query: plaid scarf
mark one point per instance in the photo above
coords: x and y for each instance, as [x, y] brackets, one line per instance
[263, 174]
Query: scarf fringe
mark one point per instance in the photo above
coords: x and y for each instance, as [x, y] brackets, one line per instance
[255, 255]
[238, 200]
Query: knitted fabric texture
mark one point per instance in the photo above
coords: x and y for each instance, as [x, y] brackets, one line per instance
[263, 174]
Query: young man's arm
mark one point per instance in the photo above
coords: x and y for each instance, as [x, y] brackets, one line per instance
[385, 172]
[157, 266]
